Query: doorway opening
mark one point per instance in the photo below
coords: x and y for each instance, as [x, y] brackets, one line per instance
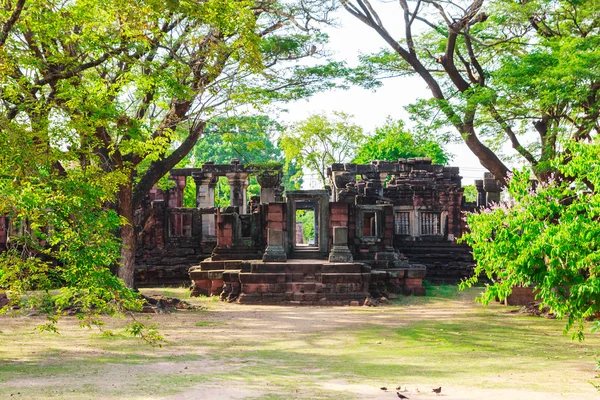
[306, 225]
[305, 228]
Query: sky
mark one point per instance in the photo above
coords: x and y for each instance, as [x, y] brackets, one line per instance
[370, 108]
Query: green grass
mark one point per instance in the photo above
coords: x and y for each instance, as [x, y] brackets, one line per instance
[209, 323]
[441, 339]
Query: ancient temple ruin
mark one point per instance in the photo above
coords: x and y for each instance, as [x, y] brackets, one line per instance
[379, 228]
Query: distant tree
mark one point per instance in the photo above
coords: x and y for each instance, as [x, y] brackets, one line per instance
[251, 139]
[470, 193]
[307, 218]
[319, 141]
[393, 141]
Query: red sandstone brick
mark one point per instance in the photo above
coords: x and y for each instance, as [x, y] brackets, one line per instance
[216, 287]
[339, 217]
[275, 208]
[276, 225]
[226, 242]
[339, 210]
[275, 217]
[250, 288]
[202, 284]
[413, 282]
[309, 269]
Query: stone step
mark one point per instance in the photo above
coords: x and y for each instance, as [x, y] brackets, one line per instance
[220, 265]
[250, 277]
[341, 268]
[306, 269]
[307, 255]
[302, 297]
[302, 287]
[345, 278]
[271, 267]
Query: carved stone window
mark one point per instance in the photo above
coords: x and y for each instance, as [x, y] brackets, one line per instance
[369, 222]
[402, 223]
[431, 223]
[180, 224]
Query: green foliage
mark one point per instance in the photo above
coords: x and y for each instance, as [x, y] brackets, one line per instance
[547, 238]
[319, 141]
[393, 141]
[249, 139]
[470, 193]
[307, 217]
[147, 333]
[517, 73]
[127, 86]
[63, 243]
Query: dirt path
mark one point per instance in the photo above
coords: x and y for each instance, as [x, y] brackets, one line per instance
[270, 352]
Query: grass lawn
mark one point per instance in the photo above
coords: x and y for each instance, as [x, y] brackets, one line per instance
[268, 352]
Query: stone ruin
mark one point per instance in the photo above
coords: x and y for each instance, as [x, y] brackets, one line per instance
[379, 228]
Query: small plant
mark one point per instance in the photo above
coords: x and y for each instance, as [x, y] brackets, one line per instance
[147, 333]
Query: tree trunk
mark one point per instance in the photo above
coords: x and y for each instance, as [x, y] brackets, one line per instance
[128, 239]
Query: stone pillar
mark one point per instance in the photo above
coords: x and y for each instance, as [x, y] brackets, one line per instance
[481, 198]
[316, 225]
[269, 182]
[340, 251]
[205, 189]
[275, 250]
[205, 198]
[238, 183]
[492, 188]
[160, 226]
[175, 195]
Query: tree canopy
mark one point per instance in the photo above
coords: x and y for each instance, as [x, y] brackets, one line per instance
[522, 73]
[124, 88]
[392, 141]
[319, 141]
[251, 139]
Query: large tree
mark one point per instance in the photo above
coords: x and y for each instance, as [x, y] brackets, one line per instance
[127, 86]
[517, 72]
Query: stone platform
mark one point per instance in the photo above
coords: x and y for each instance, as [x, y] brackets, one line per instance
[307, 282]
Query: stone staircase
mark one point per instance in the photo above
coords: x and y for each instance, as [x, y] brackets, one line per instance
[297, 281]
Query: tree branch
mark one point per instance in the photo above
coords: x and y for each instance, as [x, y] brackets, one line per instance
[11, 21]
[160, 167]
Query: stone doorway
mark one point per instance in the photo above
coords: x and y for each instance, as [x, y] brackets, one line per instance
[300, 204]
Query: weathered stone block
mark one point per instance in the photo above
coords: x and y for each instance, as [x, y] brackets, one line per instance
[275, 217]
[340, 251]
[416, 273]
[215, 275]
[275, 246]
[216, 287]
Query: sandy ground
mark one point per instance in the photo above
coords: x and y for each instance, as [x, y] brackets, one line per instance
[230, 327]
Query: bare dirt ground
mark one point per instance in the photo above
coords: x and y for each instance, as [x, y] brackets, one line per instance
[268, 352]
